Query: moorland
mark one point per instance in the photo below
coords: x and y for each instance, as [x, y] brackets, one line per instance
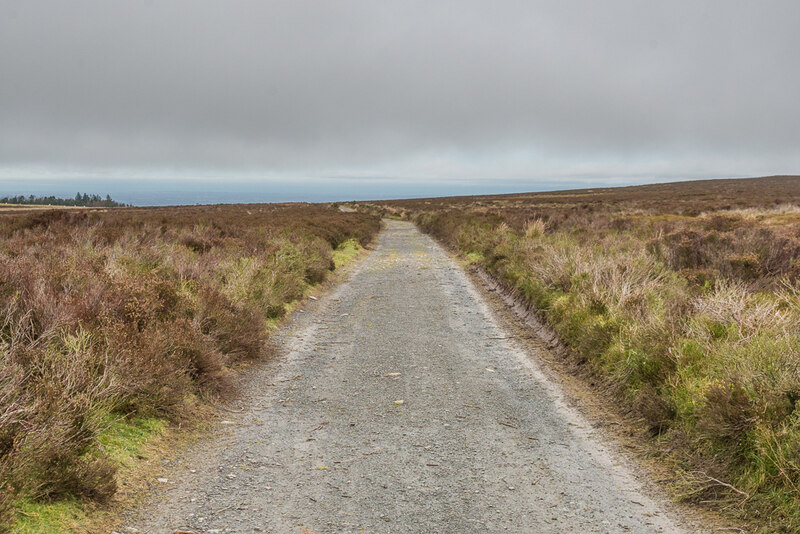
[680, 300]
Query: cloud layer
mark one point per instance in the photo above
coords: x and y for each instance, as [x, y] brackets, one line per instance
[462, 90]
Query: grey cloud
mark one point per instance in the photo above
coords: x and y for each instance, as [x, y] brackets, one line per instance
[420, 89]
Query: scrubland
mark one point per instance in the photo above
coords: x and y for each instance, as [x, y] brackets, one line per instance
[683, 299]
[114, 323]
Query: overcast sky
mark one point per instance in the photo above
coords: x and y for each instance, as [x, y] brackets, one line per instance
[489, 94]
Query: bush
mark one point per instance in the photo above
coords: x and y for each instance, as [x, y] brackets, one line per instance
[727, 415]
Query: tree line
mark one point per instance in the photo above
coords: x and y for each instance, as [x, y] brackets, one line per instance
[80, 199]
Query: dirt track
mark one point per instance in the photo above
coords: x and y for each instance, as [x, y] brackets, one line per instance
[401, 406]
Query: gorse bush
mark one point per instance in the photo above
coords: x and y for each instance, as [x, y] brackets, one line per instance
[137, 313]
[690, 314]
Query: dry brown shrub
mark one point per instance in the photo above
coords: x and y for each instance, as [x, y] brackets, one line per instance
[778, 254]
[52, 429]
[722, 222]
[685, 249]
[621, 224]
[240, 332]
[727, 415]
[319, 262]
[656, 411]
[7, 512]
[745, 266]
[152, 375]
[65, 474]
[201, 358]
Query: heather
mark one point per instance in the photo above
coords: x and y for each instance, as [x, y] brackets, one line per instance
[113, 319]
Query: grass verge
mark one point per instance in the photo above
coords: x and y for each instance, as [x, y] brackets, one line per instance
[346, 252]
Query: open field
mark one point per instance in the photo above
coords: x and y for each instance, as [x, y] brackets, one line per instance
[684, 299]
[118, 322]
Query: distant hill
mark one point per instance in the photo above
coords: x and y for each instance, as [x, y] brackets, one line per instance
[687, 198]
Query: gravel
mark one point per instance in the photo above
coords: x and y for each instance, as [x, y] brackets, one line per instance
[400, 405]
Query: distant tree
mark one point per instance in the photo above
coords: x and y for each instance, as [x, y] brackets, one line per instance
[81, 199]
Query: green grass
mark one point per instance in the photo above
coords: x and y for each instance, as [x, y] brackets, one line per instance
[346, 252]
[123, 441]
[50, 518]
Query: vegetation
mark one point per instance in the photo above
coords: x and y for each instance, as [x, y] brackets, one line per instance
[683, 298]
[113, 323]
[83, 200]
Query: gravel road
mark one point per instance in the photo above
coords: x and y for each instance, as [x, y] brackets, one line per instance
[400, 405]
